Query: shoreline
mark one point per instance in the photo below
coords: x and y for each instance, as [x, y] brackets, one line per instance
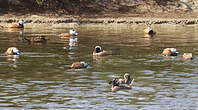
[107, 20]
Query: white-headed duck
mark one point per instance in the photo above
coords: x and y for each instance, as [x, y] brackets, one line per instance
[39, 39]
[99, 52]
[187, 56]
[170, 52]
[12, 51]
[78, 65]
[20, 24]
[149, 31]
[116, 85]
[71, 33]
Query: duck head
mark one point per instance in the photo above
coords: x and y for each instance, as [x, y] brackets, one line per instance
[127, 78]
[72, 32]
[98, 49]
[174, 51]
[15, 51]
[22, 22]
[84, 64]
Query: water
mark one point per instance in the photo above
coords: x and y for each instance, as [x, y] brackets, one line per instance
[40, 79]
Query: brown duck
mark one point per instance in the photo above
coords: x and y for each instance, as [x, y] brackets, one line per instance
[99, 52]
[78, 65]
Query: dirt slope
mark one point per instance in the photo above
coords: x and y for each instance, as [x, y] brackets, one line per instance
[102, 8]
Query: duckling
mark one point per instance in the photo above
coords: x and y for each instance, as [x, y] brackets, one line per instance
[78, 65]
[71, 33]
[117, 86]
[99, 52]
[148, 31]
[169, 52]
[15, 25]
[39, 39]
[187, 56]
[12, 51]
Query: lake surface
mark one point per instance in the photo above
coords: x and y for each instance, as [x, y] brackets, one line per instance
[40, 79]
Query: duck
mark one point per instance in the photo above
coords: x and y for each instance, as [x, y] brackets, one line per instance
[148, 31]
[116, 85]
[39, 39]
[126, 80]
[20, 24]
[187, 56]
[99, 52]
[78, 65]
[71, 33]
[170, 52]
[12, 51]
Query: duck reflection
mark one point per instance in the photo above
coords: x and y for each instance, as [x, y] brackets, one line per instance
[73, 43]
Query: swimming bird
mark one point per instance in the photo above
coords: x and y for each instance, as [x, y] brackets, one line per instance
[170, 52]
[126, 80]
[71, 33]
[116, 85]
[187, 56]
[78, 65]
[148, 31]
[39, 39]
[99, 52]
[20, 24]
[12, 51]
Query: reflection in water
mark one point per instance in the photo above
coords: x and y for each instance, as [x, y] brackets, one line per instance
[39, 78]
[73, 41]
[12, 59]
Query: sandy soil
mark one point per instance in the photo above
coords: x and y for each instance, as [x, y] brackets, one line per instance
[184, 12]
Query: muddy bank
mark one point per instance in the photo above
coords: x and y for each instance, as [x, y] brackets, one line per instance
[80, 21]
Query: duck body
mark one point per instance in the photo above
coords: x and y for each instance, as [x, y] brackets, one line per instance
[78, 65]
[62, 35]
[116, 85]
[99, 52]
[170, 52]
[12, 51]
[39, 39]
[16, 26]
[187, 56]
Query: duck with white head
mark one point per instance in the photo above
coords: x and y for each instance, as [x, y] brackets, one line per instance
[12, 51]
[99, 52]
[20, 24]
[70, 34]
